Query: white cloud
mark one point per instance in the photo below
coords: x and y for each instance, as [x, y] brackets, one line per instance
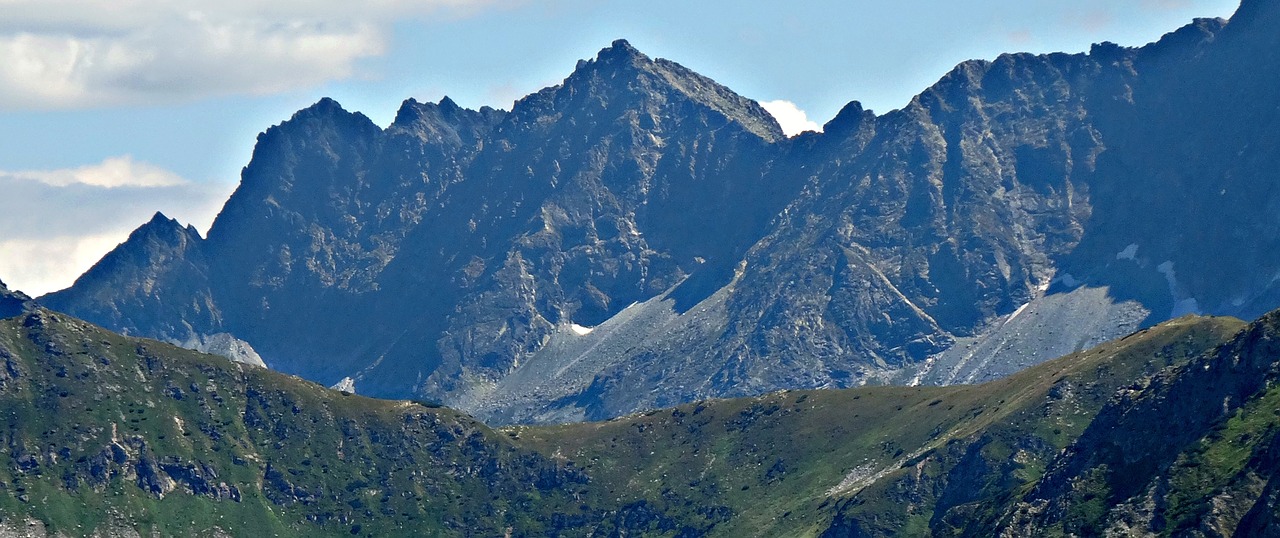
[113, 172]
[68, 219]
[39, 266]
[78, 53]
[793, 120]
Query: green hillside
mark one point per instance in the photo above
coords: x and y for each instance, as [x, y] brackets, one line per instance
[116, 435]
[107, 432]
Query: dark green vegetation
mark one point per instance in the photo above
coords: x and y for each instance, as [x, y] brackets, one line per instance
[106, 432]
[1170, 429]
[449, 256]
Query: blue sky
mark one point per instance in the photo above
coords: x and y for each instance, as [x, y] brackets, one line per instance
[113, 109]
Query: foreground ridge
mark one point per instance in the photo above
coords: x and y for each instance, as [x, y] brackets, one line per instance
[155, 439]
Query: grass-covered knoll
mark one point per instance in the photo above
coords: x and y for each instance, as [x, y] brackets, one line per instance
[883, 460]
[101, 432]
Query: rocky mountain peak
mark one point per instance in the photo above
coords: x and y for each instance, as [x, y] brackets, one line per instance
[620, 51]
[153, 244]
[445, 122]
[623, 78]
[164, 232]
[162, 225]
[326, 106]
[849, 119]
[324, 117]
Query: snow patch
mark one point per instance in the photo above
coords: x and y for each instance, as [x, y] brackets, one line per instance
[1016, 312]
[347, 385]
[1128, 253]
[580, 330]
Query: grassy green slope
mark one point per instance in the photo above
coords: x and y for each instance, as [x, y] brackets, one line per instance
[884, 461]
[101, 431]
[105, 433]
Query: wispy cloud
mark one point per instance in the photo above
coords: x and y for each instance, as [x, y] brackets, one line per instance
[790, 117]
[80, 53]
[68, 219]
[113, 172]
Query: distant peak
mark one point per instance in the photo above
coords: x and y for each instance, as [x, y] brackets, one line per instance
[326, 102]
[408, 112]
[160, 220]
[851, 117]
[620, 50]
[162, 224]
[324, 107]
[622, 45]
[412, 111]
[326, 111]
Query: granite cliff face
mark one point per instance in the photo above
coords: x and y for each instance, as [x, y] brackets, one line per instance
[640, 236]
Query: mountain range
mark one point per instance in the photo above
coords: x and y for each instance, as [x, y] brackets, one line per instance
[640, 236]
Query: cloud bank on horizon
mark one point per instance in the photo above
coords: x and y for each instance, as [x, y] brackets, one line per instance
[71, 218]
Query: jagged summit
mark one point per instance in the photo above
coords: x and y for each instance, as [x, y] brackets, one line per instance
[620, 51]
[160, 221]
[412, 110]
[325, 114]
[445, 122]
[848, 119]
[326, 105]
[167, 229]
[621, 71]
[328, 109]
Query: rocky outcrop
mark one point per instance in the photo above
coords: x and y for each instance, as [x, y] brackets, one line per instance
[13, 303]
